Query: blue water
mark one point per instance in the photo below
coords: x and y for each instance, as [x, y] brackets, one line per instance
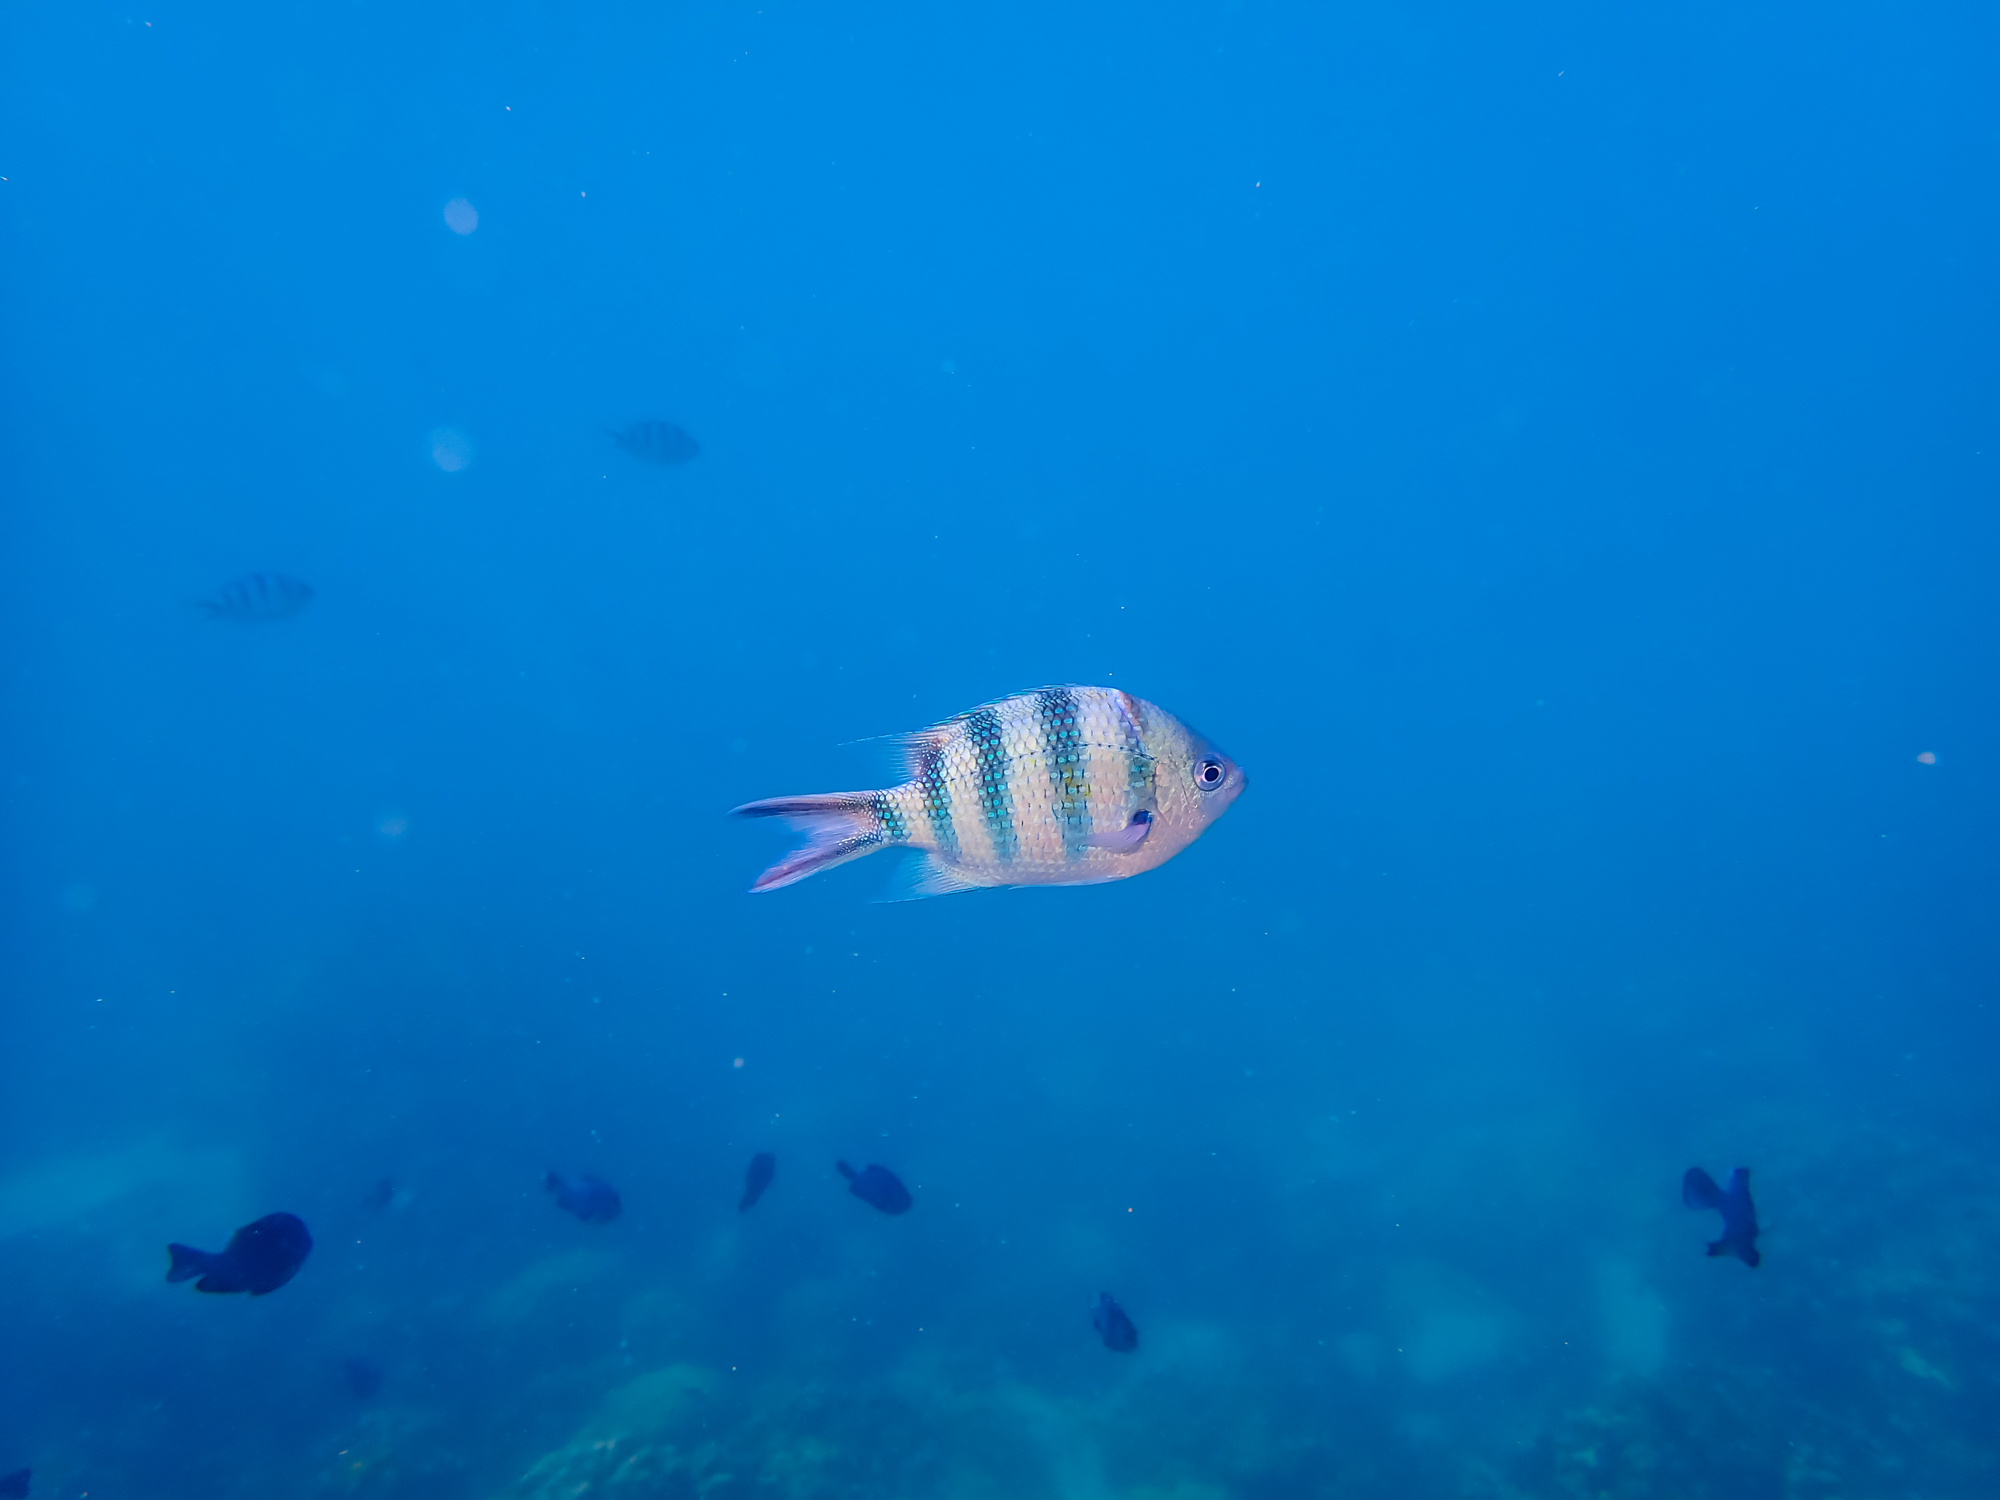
[1552, 448]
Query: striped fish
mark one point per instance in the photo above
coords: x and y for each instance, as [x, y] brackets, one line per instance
[1061, 786]
[257, 598]
[658, 442]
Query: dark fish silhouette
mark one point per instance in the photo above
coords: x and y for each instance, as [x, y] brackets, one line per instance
[658, 442]
[1739, 1214]
[381, 1195]
[257, 599]
[877, 1186]
[14, 1486]
[363, 1376]
[259, 1258]
[763, 1167]
[1109, 1319]
[591, 1199]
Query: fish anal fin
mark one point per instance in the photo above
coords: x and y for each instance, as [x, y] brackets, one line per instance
[926, 875]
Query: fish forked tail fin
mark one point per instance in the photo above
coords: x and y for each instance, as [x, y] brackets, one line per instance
[839, 826]
[1698, 1190]
[184, 1262]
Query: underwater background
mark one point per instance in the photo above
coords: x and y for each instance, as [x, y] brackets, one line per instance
[1551, 447]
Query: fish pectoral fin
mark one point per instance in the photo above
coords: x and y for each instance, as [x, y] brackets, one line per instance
[1124, 840]
[926, 875]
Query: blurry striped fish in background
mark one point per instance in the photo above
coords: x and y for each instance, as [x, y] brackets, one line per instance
[257, 598]
[658, 442]
[1061, 786]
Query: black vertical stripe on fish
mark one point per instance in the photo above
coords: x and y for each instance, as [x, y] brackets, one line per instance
[996, 792]
[1138, 765]
[1062, 745]
[895, 828]
[937, 801]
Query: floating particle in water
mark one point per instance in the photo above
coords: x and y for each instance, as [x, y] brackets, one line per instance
[259, 1258]
[1927, 757]
[392, 826]
[257, 599]
[658, 442]
[451, 450]
[460, 216]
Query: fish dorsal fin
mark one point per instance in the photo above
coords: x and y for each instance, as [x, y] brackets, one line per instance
[912, 751]
[916, 749]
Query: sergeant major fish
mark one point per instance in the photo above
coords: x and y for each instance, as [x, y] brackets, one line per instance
[1060, 786]
[658, 442]
[257, 599]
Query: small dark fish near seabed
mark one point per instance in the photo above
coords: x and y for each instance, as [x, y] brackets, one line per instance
[591, 1199]
[257, 599]
[1739, 1214]
[1109, 1319]
[877, 1187]
[658, 442]
[763, 1167]
[259, 1258]
[14, 1486]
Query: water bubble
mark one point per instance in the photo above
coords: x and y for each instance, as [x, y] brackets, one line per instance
[451, 450]
[460, 216]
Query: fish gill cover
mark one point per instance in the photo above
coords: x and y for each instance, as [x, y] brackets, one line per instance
[452, 455]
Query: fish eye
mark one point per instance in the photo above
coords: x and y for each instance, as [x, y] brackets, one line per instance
[1209, 774]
